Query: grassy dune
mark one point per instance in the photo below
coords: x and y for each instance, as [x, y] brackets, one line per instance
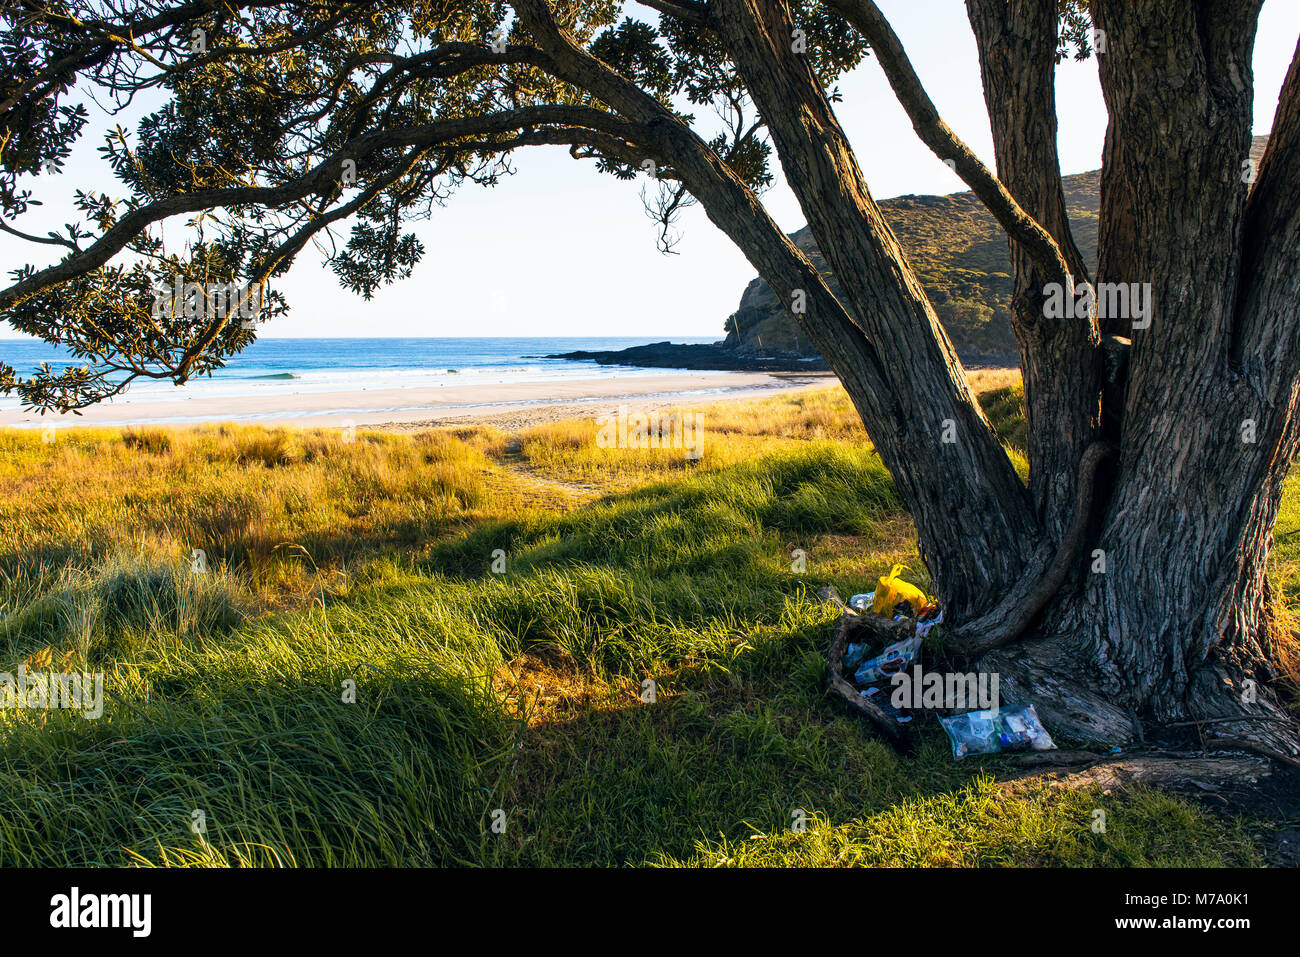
[498, 718]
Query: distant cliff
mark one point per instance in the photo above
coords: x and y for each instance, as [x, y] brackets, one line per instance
[960, 255]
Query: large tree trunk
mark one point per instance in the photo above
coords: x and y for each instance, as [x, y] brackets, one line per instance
[1173, 629]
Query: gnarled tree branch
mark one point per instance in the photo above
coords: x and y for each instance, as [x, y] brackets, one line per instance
[936, 134]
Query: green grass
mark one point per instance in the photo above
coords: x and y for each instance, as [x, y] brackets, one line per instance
[475, 692]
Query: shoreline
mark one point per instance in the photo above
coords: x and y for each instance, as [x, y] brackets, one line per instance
[524, 418]
[508, 405]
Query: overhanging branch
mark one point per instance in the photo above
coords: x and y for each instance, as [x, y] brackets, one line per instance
[133, 223]
[689, 10]
[936, 134]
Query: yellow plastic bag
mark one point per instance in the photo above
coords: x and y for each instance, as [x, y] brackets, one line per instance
[891, 589]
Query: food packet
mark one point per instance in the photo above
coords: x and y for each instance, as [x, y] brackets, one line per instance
[892, 660]
[854, 654]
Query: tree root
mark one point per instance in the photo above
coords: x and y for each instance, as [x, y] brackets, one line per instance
[1224, 719]
[1072, 708]
[1246, 744]
[1032, 673]
[1150, 769]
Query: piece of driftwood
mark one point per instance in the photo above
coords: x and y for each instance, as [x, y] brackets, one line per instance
[1150, 769]
[855, 627]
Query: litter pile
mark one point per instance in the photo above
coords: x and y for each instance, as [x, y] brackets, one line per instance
[901, 601]
[986, 731]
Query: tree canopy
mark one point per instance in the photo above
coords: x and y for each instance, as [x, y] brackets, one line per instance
[286, 121]
[282, 122]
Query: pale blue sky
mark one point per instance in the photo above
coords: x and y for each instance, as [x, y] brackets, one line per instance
[560, 250]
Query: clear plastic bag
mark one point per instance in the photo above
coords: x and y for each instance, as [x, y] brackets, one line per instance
[861, 603]
[988, 732]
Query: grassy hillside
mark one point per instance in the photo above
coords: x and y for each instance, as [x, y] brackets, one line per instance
[368, 561]
[960, 255]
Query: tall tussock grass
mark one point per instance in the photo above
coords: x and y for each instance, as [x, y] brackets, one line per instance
[89, 609]
[399, 642]
[236, 492]
[157, 441]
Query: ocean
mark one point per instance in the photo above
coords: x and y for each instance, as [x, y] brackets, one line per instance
[272, 367]
[277, 369]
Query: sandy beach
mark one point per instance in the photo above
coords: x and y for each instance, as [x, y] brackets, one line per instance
[507, 405]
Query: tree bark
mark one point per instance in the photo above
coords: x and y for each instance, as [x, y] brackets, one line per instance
[1060, 359]
[1174, 629]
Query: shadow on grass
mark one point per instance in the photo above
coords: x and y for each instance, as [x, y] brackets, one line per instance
[684, 584]
[722, 770]
[736, 761]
